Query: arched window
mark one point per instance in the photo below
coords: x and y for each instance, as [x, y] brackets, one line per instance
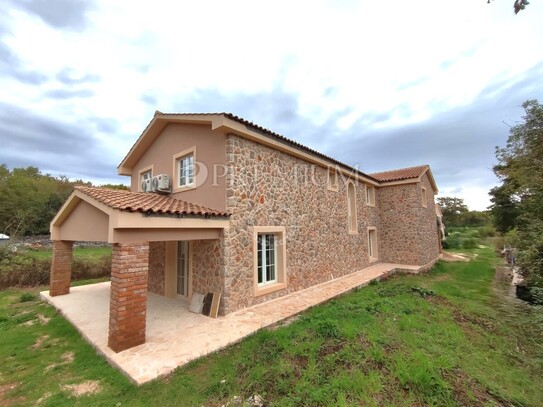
[351, 208]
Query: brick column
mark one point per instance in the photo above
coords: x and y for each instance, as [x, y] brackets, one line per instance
[61, 268]
[128, 301]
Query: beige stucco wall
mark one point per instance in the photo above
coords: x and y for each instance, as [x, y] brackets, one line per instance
[85, 223]
[210, 151]
[408, 231]
[270, 188]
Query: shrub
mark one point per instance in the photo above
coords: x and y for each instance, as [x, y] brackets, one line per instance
[327, 330]
[487, 231]
[17, 269]
[469, 243]
[27, 296]
[454, 241]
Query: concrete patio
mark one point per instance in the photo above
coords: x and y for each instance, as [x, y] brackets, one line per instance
[176, 336]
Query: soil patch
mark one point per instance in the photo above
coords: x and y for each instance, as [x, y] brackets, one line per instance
[39, 341]
[448, 256]
[4, 390]
[82, 389]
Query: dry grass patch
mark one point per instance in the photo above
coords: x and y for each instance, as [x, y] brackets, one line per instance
[82, 389]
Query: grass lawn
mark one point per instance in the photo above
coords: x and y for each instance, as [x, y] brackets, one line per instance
[83, 253]
[446, 338]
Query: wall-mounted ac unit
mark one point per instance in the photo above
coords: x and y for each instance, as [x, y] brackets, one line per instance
[161, 184]
[146, 185]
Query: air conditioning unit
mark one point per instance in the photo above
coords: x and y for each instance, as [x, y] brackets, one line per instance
[161, 184]
[146, 185]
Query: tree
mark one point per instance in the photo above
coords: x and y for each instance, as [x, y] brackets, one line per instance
[29, 200]
[517, 5]
[452, 208]
[520, 197]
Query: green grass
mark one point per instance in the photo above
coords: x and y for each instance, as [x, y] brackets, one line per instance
[450, 337]
[83, 253]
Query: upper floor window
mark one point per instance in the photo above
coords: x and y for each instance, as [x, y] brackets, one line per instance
[185, 169]
[146, 174]
[424, 197]
[351, 208]
[370, 195]
[332, 179]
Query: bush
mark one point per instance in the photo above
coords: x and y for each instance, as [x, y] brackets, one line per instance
[454, 241]
[487, 231]
[17, 269]
[469, 243]
[27, 296]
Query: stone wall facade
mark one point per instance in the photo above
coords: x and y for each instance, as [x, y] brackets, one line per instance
[157, 267]
[208, 266]
[266, 187]
[408, 230]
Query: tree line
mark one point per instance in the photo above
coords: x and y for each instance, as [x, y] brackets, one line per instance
[517, 203]
[30, 199]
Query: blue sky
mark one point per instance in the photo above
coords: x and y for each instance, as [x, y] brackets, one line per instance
[379, 85]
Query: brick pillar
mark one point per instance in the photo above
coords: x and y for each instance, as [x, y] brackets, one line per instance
[61, 268]
[128, 302]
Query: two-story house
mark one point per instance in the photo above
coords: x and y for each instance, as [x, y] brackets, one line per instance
[240, 210]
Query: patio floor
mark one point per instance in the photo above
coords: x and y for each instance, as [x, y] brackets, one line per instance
[176, 336]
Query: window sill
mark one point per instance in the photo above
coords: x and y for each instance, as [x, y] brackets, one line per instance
[353, 232]
[267, 289]
[333, 188]
[184, 188]
[371, 205]
[373, 259]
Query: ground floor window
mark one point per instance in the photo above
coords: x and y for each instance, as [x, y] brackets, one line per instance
[372, 244]
[269, 259]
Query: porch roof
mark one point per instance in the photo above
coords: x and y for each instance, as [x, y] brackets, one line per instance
[147, 202]
[115, 216]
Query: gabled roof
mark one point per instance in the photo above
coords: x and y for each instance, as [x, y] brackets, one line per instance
[231, 124]
[400, 174]
[405, 175]
[147, 202]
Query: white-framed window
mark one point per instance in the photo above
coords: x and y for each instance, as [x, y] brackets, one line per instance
[370, 195]
[332, 179]
[269, 259]
[145, 175]
[266, 258]
[184, 169]
[424, 197]
[372, 244]
[351, 208]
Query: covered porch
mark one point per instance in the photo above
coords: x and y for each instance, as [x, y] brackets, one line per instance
[160, 245]
[176, 336]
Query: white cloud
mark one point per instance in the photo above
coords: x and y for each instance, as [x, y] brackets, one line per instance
[347, 62]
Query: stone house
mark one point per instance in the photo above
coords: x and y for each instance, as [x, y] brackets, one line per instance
[242, 211]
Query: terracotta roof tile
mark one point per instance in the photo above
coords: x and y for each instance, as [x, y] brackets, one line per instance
[400, 174]
[146, 202]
